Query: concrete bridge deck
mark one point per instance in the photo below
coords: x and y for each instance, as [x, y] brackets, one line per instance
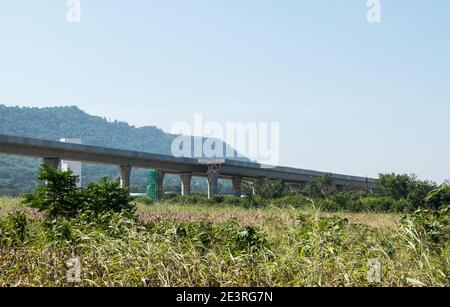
[52, 152]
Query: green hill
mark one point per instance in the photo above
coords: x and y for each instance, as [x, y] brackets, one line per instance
[17, 174]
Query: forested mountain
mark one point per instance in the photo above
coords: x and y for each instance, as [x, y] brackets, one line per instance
[71, 122]
[17, 174]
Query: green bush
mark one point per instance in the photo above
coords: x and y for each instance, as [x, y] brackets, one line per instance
[107, 196]
[431, 224]
[402, 206]
[216, 199]
[228, 236]
[293, 200]
[248, 201]
[232, 200]
[145, 200]
[319, 188]
[401, 187]
[439, 197]
[60, 197]
[192, 199]
[377, 204]
[241, 239]
[58, 231]
[322, 235]
[273, 189]
[14, 229]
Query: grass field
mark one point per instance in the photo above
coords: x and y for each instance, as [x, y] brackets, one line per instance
[219, 245]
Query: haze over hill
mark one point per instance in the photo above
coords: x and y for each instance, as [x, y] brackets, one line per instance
[17, 174]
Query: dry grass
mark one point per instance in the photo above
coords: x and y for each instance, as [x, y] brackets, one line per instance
[272, 219]
[300, 249]
[218, 214]
[376, 220]
[9, 205]
[263, 218]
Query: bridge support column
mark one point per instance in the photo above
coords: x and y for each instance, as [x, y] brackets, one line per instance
[213, 178]
[125, 174]
[258, 183]
[237, 183]
[332, 188]
[186, 184]
[52, 162]
[161, 184]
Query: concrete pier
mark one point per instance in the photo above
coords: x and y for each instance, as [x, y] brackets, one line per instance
[52, 162]
[213, 179]
[237, 186]
[186, 184]
[161, 177]
[125, 174]
[258, 183]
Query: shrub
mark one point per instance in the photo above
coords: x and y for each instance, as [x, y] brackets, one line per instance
[395, 186]
[13, 229]
[406, 187]
[349, 201]
[401, 206]
[377, 204]
[58, 231]
[294, 200]
[256, 201]
[216, 199]
[241, 239]
[318, 188]
[229, 237]
[145, 200]
[273, 189]
[433, 225]
[439, 197]
[107, 196]
[233, 200]
[60, 197]
[250, 238]
[320, 236]
[193, 199]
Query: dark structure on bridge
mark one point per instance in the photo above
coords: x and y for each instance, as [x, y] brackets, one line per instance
[52, 152]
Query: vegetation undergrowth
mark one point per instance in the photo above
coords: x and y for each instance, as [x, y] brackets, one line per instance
[115, 248]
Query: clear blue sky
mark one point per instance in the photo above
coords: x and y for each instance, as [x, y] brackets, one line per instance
[351, 97]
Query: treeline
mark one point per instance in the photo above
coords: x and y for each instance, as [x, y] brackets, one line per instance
[394, 193]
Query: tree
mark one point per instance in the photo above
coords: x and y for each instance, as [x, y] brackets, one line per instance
[439, 197]
[60, 197]
[319, 187]
[405, 187]
[107, 196]
[395, 186]
[273, 189]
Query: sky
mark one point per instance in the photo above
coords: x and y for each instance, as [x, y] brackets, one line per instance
[350, 96]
